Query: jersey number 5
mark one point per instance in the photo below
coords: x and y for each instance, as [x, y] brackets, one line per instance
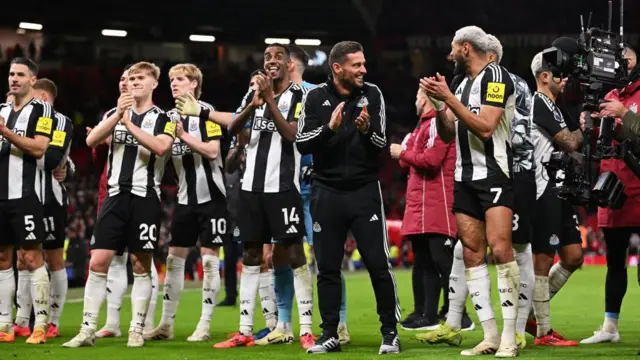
[290, 216]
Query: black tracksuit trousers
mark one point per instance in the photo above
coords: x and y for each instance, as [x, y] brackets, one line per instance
[335, 212]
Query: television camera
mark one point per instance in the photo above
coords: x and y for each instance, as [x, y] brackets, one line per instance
[595, 60]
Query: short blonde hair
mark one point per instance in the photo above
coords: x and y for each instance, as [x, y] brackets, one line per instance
[151, 68]
[192, 73]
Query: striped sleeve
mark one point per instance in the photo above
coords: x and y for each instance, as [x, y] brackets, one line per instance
[377, 118]
[43, 119]
[312, 131]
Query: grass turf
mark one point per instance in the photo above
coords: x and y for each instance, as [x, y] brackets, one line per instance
[576, 312]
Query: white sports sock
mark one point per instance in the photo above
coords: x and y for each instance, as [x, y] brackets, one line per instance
[140, 297]
[117, 283]
[40, 292]
[8, 286]
[284, 326]
[95, 290]
[541, 304]
[23, 298]
[610, 325]
[210, 288]
[558, 276]
[173, 286]
[509, 290]
[267, 299]
[249, 283]
[524, 258]
[303, 288]
[151, 311]
[457, 289]
[59, 286]
[479, 284]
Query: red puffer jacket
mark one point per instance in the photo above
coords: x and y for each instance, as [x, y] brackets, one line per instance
[430, 185]
[629, 214]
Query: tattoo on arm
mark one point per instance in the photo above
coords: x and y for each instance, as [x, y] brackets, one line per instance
[569, 141]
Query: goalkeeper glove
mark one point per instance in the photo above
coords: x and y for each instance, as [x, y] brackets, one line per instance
[187, 105]
[437, 104]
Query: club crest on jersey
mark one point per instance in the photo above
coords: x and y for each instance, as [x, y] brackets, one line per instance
[262, 124]
[193, 124]
[634, 108]
[147, 123]
[316, 227]
[22, 118]
[475, 89]
[236, 231]
[554, 240]
[284, 106]
[557, 115]
[362, 102]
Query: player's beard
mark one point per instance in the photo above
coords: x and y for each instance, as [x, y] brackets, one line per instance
[458, 68]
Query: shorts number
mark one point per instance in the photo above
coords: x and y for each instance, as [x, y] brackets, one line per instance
[515, 222]
[50, 226]
[498, 192]
[290, 216]
[219, 226]
[148, 232]
[575, 218]
[29, 225]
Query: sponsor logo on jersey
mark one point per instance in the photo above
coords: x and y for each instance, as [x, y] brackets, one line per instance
[123, 137]
[299, 110]
[495, 92]
[17, 131]
[179, 149]
[213, 129]
[58, 138]
[170, 129]
[44, 125]
[262, 124]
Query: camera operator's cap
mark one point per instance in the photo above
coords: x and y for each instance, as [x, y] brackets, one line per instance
[538, 65]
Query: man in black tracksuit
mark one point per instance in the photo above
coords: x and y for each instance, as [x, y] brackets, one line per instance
[343, 125]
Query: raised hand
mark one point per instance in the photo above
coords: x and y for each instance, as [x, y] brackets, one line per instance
[362, 121]
[179, 130]
[125, 102]
[187, 105]
[336, 117]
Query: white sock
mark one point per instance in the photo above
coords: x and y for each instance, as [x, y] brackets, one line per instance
[117, 283]
[151, 311]
[140, 297]
[267, 299]
[59, 286]
[541, 304]
[249, 283]
[509, 290]
[558, 276]
[40, 292]
[95, 290]
[8, 286]
[524, 258]
[303, 288]
[23, 298]
[457, 289]
[173, 286]
[610, 325]
[210, 288]
[479, 285]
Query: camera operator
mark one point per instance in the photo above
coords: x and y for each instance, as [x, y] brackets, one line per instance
[618, 225]
[555, 224]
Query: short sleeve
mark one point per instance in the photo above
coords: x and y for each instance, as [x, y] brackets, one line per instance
[62, 133]
[164, 126]
[43, 120]
[496, 86]
[213, 131]
[547, 117]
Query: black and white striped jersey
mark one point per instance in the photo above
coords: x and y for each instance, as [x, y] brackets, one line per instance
[272, 163]
[51, 191]
[547, 122]
[132, 167]
[477, 159]
[199, 179]
[521, 127]
[19, 175]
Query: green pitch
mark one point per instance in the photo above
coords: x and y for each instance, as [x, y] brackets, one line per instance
[576, 312]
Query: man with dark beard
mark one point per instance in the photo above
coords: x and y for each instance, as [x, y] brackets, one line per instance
[343, 125]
